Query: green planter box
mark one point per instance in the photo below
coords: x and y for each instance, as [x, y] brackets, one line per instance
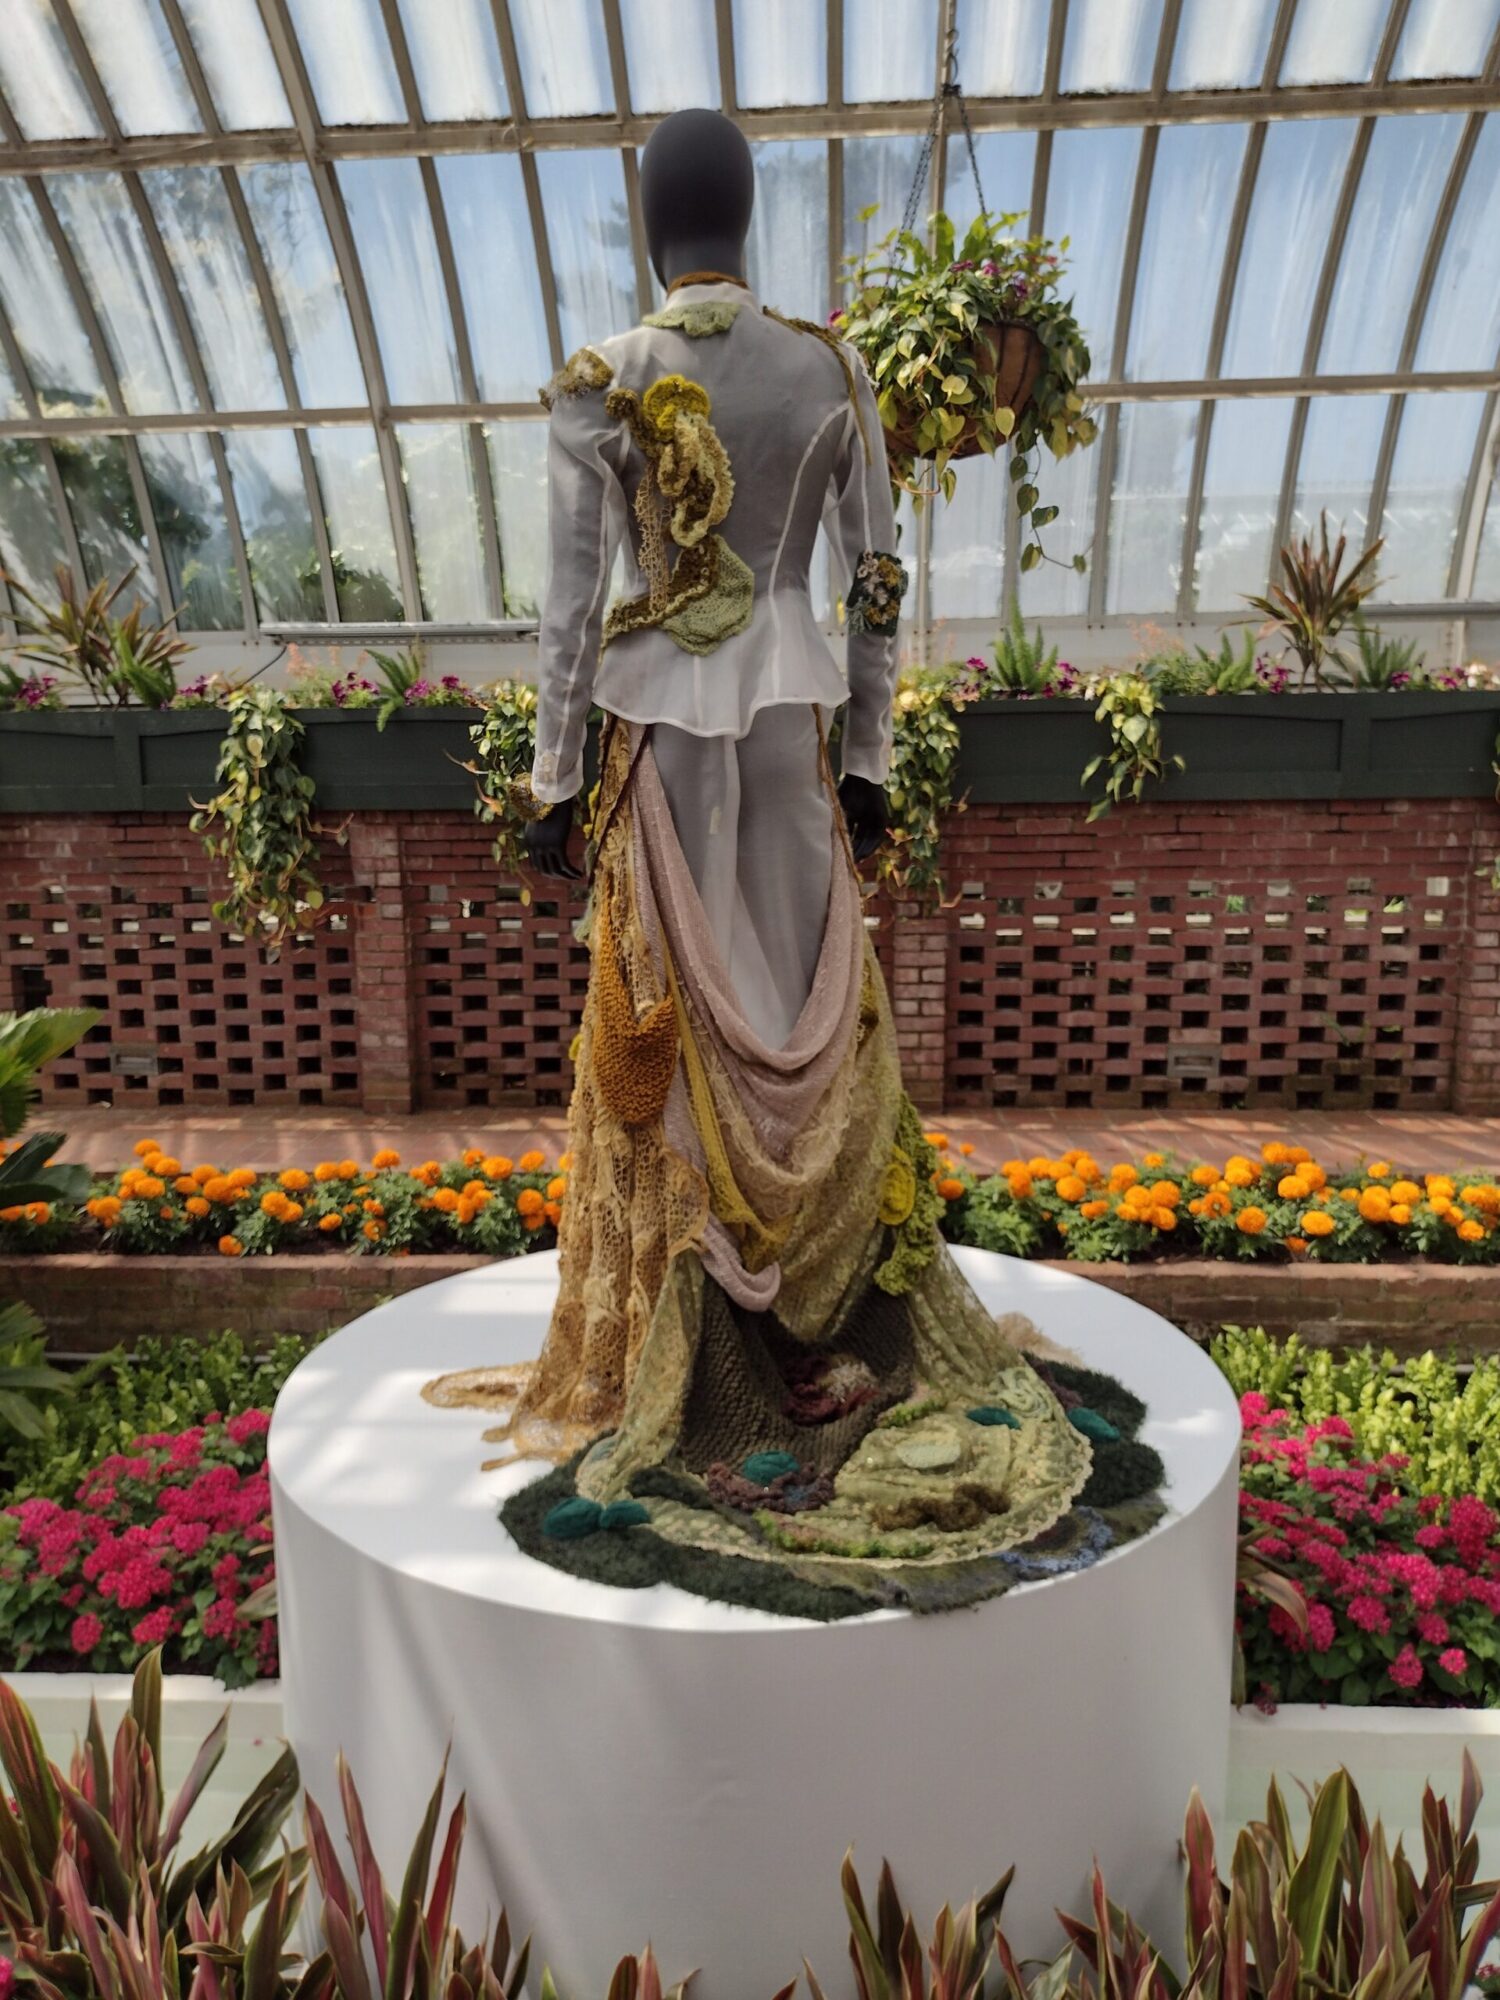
[1332, 746]
[411, 765]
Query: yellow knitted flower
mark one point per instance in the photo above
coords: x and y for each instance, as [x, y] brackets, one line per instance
[898, 1189]
[671, 397]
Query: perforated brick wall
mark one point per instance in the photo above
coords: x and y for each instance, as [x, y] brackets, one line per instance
[1330, 954]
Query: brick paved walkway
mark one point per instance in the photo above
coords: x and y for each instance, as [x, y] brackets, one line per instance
[257, 1138]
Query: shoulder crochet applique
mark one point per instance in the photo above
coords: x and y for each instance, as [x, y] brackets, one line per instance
[697, 318]
[684, 493]
[580, 373]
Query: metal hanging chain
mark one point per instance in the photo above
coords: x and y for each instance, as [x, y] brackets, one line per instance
[950, 87]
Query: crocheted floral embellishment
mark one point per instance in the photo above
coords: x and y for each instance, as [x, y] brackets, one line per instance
[898, 1189]
[696, 318]
[580, 374]
[671, 397]
[874, 600]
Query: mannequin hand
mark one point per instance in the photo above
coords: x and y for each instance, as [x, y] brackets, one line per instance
[866, 814]
[547, 843]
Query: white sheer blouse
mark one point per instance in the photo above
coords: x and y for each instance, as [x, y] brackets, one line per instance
[802, 454]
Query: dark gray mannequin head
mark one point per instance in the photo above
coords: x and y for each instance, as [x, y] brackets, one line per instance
[697, 191]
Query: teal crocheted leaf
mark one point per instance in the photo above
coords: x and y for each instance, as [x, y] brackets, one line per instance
[1100, 1429]
[991, 1413]
[761, 1467]
[571, 1520]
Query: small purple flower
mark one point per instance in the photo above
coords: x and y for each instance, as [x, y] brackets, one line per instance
[452, 681]
[963, 264]
[835, 318]
[990, 268]
[419, 691]
[1400, 680]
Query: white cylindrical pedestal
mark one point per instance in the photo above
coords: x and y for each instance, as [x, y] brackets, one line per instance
[648, 1764]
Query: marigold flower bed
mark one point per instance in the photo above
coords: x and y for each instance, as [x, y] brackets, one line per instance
[1281, 1208]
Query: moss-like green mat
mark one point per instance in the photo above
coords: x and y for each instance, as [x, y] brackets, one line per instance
[717, 1552]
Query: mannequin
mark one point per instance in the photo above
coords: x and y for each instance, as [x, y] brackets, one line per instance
[697, 192]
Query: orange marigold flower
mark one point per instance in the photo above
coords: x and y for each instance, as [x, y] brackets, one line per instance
[1380, 1171]
[328, 1223]
[1072, 1187]
[164, 1166]
[1375, 1205]
[1123, 1176]
[938, 1139]
[385, 1158]
[243, 1177]
[553, 1212]
[473, 1155]
[565, 1163]
[428, 1174]
[196, 1205]
[532, 1163]
[293, 1212]
[104, 1208]
[447, 1200]
[1439, 1184]
[1240, 1174]
[12, 1214]
[1154, 1160]
[348, 1170]
[1204, 1176]
[1297, 1156]
[1400, 1213]
[231, 1246]
[148, 1187]
[1296, 1244]
[557, 1187]
[373, 1231]
[1292, 1187]
[1019, 1185]
[294, 1180]
[965, 1148]
[1318, 1222]
[1094, 1209]
[205, 1173]
[1405, 1191]
[498, 1168]
[1349, 1194]
[272, 1202]
[377, 1207]
[166, 1212]
[221, 1188]
[1480, 1195]
[466, 1211]
[951, 1188]
[185, 1184]
[529, 1202]
[1472, 1230]
[534, 1222]
[1251, 1221]
[1275, 1154]
[1009, 1167]
[144, 1148]
[1165, 1194]
[326, 1170]
[1161, 1217]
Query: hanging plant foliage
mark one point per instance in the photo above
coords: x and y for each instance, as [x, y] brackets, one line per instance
[971, 348]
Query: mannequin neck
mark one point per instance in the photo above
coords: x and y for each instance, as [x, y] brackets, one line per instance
[701, 253]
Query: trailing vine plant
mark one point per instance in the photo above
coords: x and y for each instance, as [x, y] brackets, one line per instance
[504, 742]
[260, 823]
[1131, 709]
[920, 788]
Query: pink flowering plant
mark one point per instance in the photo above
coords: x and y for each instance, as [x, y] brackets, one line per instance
[166, 1544]
[1401, 1589]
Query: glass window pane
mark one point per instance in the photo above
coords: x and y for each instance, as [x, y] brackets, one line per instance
[110, 246]
[518, 467]
[1334, 41]
[787, 251]
[967, 560]
[1193, 186]
[1006, 162]
[1221, 44]
[1053, 590]
[31, 544]
[349, 61]
[1286, 238]
[564, 58]
[1111, 45]
[485, 201]
[96, 478]
[188, 504]
[671, 54]
[11, 400]
[213, 273]
[1241, 493]
[40, 309]
[1487, 568]
[456, 58]
[1434, 448]
[1148, 512]
[1388, 235]
[294, 241]
[1337, 468]
[780, 52]
[1462, 327]
[403, 278]
[1445, 38]
[588, 229]
[890, 49]
[138, 64]
[359, 523]
[40, 81]
[1088, 200]
[878, 174]
[1002, 47]
[267, 476]
[230, 39]
[439, 475]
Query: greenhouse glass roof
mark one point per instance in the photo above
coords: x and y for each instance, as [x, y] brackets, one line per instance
[279, 278]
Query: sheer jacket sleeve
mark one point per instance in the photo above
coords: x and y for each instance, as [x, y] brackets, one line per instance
[863, 527]
[582, 532]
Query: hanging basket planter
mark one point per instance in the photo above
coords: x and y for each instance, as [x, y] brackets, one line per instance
[1008, 356]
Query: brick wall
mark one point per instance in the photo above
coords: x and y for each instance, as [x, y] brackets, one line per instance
[1324, 954]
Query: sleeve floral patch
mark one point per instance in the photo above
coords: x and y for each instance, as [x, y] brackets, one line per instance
[874, 600]
[580, 373]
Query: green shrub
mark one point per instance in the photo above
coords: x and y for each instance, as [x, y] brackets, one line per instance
[1444, 1419]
